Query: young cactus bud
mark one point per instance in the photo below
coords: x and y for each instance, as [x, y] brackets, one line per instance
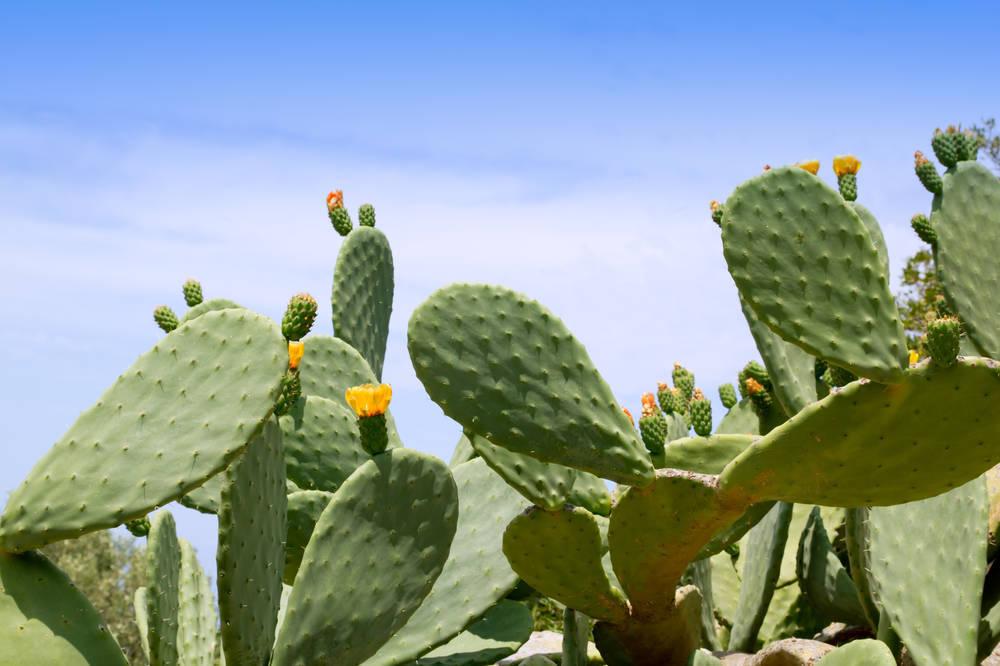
[684, 380]
[846, 167]
[369, 403]
[631, 419]
[339, 217]
[812, 166]
[192, 293]
[291, 391]
[967, 146]
[701, 414]
[836, 376]
[717, 212]
[759, 396]
[923, 227]
[366, 215]
[652, 424]
[138, 527]
[727, 394]
[942, 340]
[946, 146]
[927, 173]
[665, 396]
[299, 317]
[165, 318]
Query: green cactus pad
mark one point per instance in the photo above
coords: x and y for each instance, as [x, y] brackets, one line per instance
[657, 530]
[250, 556]
[211, 305]
[699, 574]
[304, 509]
[505, 367]
[875, 232]
[928, 561]
[196, 618]
[178, 416]
[399, 512]
[740, 420]
[362, 294]
[476, 573]
[929, 433]
[805, 262]
[705, 455]
[44, 619]
[544, 484]
[968, 234]
[576, 578]
[855, 541]
[163, 566]
[865, 652]
[790, 368]
[322, 443]
[498, 634]
[591, 493]
[703, 658]
[761, 558]
[823, 579]
[141, 609]
[330, 366]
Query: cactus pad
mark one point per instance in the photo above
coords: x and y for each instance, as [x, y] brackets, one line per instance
[910, 546]
[497, 634]
[141, 609]
[929, 433]
[740, 420]
[322, 443]
[330, 366]
[196, 619]
[362, 294]
[866, 652]
[375, 553]
[178, 416]
[163, 565]
[477, 573]
[791, 368]
[657, 530]
[576, 579]
[304, 509]
[505, 367]
[805, 262]
[44, 619]
[250, 556]
[823, 579]
[705, 455]
[968, 244]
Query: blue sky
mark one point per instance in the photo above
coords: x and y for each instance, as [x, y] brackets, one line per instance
[568, 150]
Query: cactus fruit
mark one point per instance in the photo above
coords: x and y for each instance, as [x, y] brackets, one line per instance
[684, 381]
[192, 293]
[727, 395]
[138, 527]
[945, 146]
[291, 391]
[701, 413]
[652, 424]
[924, 229]
[846, 167]
[717, 212]
[968, 146]
[927, 173]
[943, 336]
[165, 318]
[339, 217]
[299, 317]
[366, 215]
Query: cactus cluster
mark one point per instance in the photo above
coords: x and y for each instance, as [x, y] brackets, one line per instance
[846, 483]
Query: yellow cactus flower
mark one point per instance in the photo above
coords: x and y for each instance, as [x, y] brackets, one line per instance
[295, 351]
[714, 205]
[914, 357]
[335, 200]
[846, 164]
[629, 415]
[368, 399]
[812, 166]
